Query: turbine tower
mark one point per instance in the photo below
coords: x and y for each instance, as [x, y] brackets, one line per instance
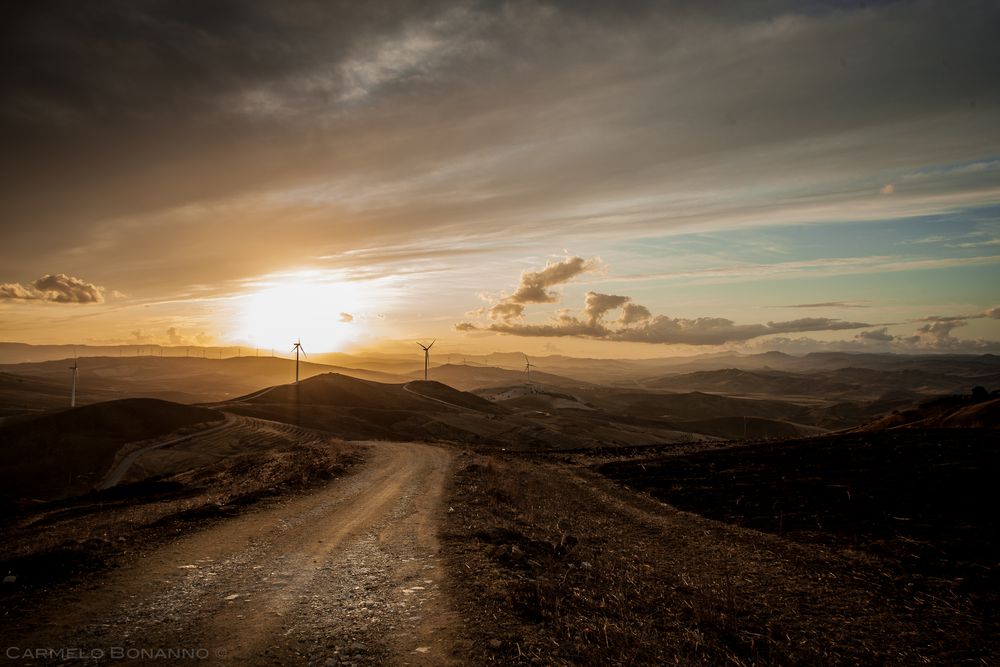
[298, 347]
[527, 367]
[72, 396]
[427, 356]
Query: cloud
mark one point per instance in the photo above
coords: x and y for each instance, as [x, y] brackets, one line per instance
[887, 189]
[358, 123]
[876, 335]
[935, 334]
[635, 322]
[506, 311]
[633, 313]
[665, 330]
[805, 345]
[141, 337]
[173, 338]
[599, 304]
[15, 291]
[346, 317]
[54, 288]
[829, 304]
[937, 337]
[535, 286]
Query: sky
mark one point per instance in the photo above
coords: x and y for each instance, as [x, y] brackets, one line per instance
[629, 179]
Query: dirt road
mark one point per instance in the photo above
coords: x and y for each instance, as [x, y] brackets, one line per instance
[116, 474]
[346, 575]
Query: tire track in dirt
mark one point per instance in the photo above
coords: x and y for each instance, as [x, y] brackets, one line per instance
[347, 575]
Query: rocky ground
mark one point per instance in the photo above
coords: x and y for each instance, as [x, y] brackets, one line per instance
[349, 575]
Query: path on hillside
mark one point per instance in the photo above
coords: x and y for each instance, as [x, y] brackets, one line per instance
[348, 574]
[406, 388]
[116, 474]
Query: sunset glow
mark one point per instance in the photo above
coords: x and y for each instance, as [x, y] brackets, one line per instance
[635, 332]
[835, 187]
[320, 313]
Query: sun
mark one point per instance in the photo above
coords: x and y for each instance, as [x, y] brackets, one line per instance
[323, 314]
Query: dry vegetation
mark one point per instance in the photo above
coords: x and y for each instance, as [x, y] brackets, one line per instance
[566, 568]
[564, 582]
[65, 539]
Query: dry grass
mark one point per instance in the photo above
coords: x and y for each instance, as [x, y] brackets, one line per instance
[563, 585]
[562, 568]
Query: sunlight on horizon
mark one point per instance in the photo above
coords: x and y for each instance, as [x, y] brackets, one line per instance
[322, 314]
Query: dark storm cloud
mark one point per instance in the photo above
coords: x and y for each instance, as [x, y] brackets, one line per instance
[380, 120]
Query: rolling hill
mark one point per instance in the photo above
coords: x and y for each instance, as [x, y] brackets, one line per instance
[360, 410]
[851, 383]
[943, 412]
[180, 379]
[20, 394]
[66, 452]
[466, 377]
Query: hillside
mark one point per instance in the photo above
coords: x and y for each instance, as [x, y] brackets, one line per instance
[466, 377]
[853, 383]
[334, 389]
[181, 379]
[749, 428]
[66, 452]
[738, 381]
[943, 412]
[922, 498]
[360, 410]
[20, 394]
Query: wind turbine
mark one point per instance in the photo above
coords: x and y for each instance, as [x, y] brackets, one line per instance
[72, 397]
[427, 355]
[297, 347]
[527, 367]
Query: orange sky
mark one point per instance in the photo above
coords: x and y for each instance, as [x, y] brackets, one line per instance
[750, 176]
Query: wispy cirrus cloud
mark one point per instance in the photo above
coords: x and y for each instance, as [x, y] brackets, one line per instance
[830, 304]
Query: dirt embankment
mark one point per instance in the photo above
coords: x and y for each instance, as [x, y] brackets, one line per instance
[167, 493]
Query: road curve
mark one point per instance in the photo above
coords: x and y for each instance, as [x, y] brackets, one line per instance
[116, 474]
[347, 574]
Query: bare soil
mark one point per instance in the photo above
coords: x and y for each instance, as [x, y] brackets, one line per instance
[183, 487]
[347, 574]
